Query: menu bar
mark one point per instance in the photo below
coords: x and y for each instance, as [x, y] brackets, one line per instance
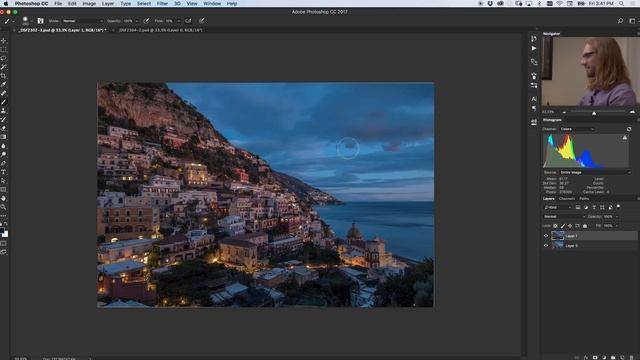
[324, 4]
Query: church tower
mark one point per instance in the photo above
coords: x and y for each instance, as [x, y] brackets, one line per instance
[353, 234]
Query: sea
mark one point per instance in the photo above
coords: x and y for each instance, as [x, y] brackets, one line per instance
[406, 227]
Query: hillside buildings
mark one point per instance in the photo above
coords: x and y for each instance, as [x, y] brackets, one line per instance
[159, 206]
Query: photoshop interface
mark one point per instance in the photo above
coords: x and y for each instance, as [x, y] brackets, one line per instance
[319, 179]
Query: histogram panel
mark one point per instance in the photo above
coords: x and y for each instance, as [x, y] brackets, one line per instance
[587, 151]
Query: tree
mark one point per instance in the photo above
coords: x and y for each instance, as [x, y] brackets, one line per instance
[341, 289]
[166, 231]
[308, 248]
[397, 289]
[205, 300]
[290, 289]
[151, 133]
[414, 287]
[154, 257]
[315, 254]
[187, 283]
[329, 257]
[425, 266]
[424, 293]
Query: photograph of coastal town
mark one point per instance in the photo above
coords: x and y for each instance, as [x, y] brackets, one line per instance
[239, 195]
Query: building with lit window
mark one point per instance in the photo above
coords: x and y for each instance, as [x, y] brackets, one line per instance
[112, 199]
[240, 175]
[260, 239]
[203, 198]
[174, 140]
[353, 257]
[175, 248]
[131, 145]
[285, 245]
[303, 274]
[121, 132]
[200, 240]
[273, 277]
[239, 253]
[375, 254]
[125, 250]
[116, 166]
[196, 174]
[140, 160]
[124, 223]
[160, 186]
[110, 141]
[233, 225]
[128, 280]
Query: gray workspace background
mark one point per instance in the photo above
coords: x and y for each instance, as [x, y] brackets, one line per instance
[478, 194]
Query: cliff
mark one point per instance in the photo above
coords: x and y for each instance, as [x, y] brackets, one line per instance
[304, 191]
[153, 109]
[151, 104]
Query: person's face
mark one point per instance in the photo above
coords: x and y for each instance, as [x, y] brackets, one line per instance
[588, 60]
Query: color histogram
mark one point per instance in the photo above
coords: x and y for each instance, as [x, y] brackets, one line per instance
[567, 152]
[588, 151]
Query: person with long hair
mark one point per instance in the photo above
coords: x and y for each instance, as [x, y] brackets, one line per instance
[608, 81]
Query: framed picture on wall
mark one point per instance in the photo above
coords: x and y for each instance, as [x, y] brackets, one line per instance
[547, 58]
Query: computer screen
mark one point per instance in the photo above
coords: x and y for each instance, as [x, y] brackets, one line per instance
[319, 179]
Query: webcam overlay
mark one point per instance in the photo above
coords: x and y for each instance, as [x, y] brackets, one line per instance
[265, 195]
[590, 71]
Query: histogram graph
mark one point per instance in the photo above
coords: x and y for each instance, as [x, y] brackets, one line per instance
[588, 151]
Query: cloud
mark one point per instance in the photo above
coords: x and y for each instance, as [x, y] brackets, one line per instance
[296, 127]
[394, 146]
[405, 159]
[350, 144]
[338, 182]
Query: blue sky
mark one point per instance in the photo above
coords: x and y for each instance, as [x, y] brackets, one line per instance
[298, 128]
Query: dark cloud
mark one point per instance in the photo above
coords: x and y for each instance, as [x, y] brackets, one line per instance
[293, 124]
[350, 144]
[394, 146]
[301, 112]
[338, 181]
[405, 159]
[376, 113]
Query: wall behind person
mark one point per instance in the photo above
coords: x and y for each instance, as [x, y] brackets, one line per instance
[569, 81]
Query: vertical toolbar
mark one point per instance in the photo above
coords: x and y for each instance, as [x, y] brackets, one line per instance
[5, 113]
[4, 141]
[533, 77]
